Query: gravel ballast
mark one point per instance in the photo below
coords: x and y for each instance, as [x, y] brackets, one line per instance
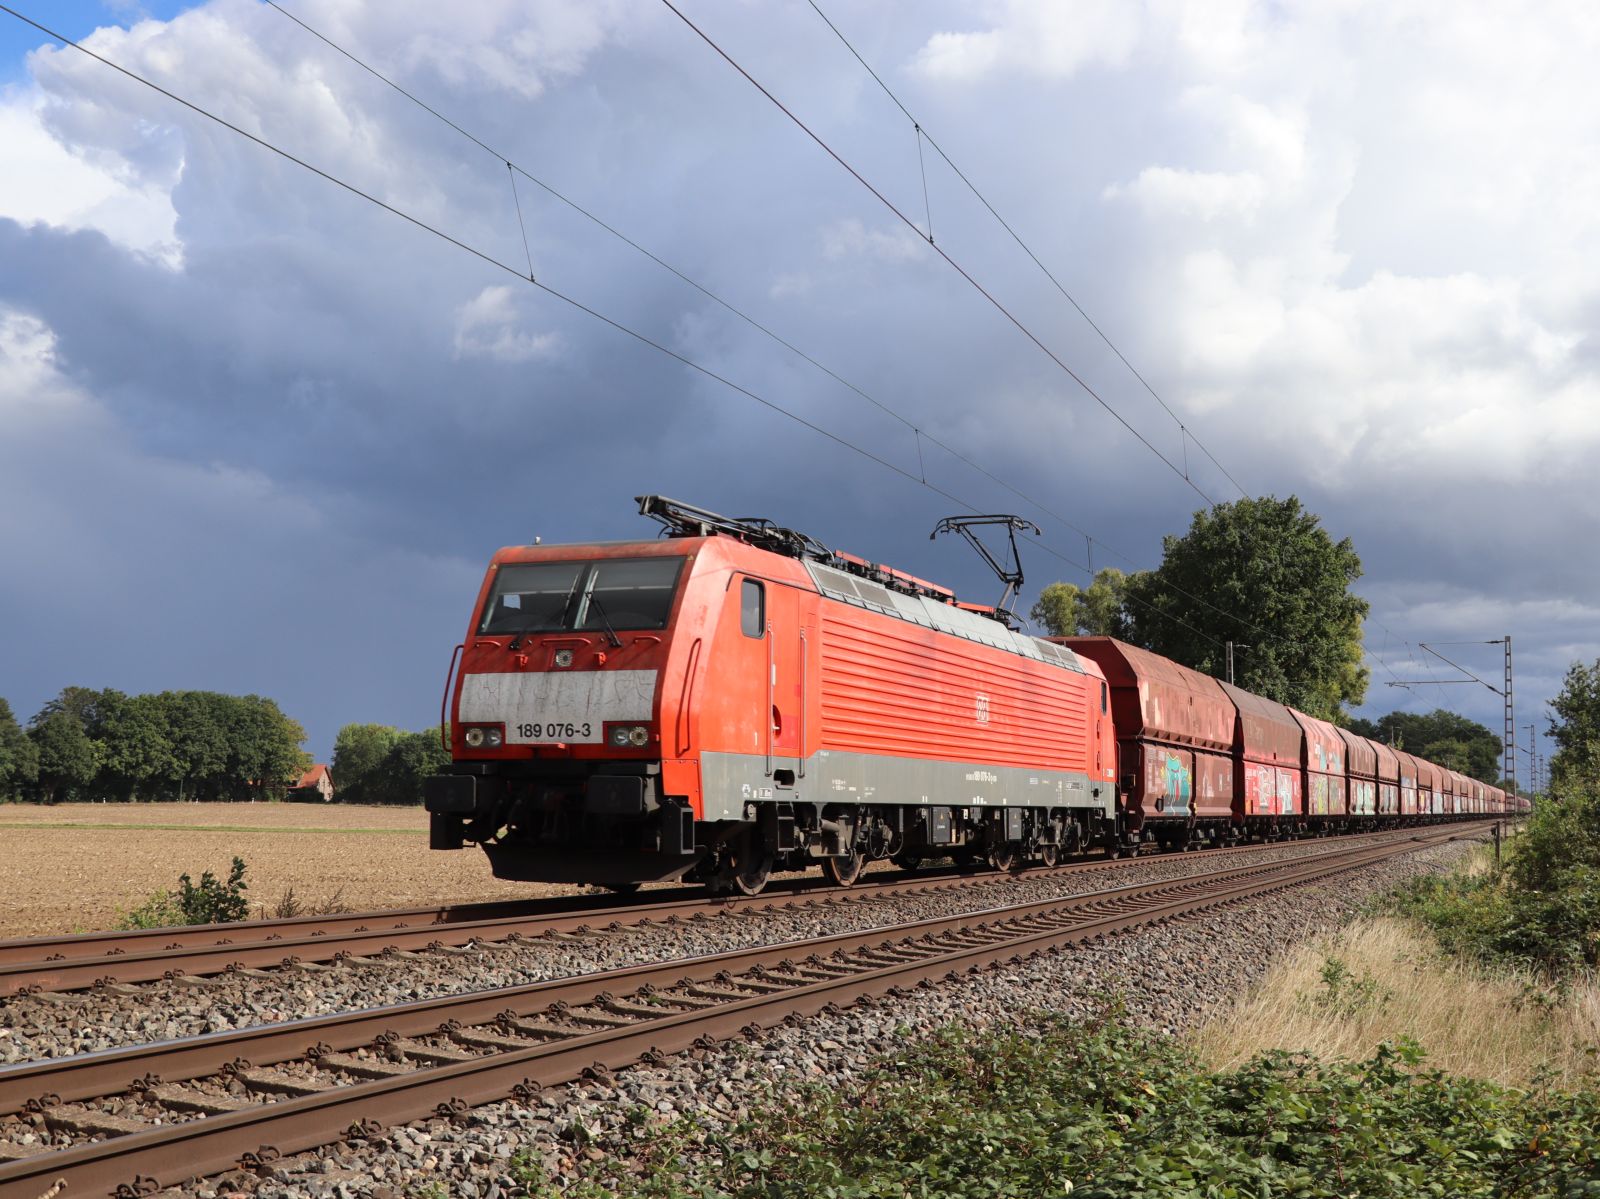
[1170, 974]
[50, 1026]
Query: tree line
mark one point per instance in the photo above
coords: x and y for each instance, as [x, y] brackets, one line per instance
[87, 745]
[105, 746]
[1264, 575]
[374, 763]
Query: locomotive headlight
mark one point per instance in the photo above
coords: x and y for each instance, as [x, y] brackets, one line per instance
[563, 657]
[492, 738]
[619, 735]
[474, 738]
[638, 735]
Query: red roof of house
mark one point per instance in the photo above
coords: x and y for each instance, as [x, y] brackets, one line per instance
[313, 776]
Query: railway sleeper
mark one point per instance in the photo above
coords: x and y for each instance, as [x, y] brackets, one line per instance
[186, 1099]
[362, 1067]
[12, 1152]
[477, 1038]
[430, 1054]
[259, 1080]
[588, 1019]
[719, 991]
[539, 1030]
[77, 1120]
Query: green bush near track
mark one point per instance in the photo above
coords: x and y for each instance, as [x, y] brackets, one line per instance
[210, 901]
[1100, 1109]
[1541, 909]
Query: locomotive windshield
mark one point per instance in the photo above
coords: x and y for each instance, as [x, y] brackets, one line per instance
[551, 597]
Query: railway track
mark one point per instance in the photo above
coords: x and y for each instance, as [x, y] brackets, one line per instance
[130, 1121]
[147, 955]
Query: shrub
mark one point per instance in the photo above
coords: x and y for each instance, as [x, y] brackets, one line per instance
[1542, 909]
[210, 901]
[1100, 1110]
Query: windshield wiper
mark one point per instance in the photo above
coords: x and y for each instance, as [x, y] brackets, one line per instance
[611, 633]
[516, 642]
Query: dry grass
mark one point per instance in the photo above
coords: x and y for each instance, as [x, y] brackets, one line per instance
[1382, 979]
[76, 866]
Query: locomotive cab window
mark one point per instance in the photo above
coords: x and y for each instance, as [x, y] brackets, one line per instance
[753, 608]
[551, 597]
[1102, 697]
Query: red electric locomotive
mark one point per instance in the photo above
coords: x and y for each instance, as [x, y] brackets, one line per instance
[735, 698]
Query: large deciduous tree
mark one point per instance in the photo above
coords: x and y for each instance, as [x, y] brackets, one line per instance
[358, 754]
[263, 747]
[398, 779]
[136, 746]
[19, 757]
[68, 760]
[1067, 610]
[1262, 573]
[1575, 728]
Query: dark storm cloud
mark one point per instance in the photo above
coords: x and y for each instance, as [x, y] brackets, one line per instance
[308, 423]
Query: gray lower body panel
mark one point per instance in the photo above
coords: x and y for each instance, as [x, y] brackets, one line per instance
[730, 781]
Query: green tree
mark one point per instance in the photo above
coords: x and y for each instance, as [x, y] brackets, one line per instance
[263, 749]
[359, 752]
[1443, 738]
[199, 729]
[412, 758]
[83, 704]
[1575, 728]
[1262, 573]
[19, 757]
[135, 746]
[1066, 610]
[68, 760]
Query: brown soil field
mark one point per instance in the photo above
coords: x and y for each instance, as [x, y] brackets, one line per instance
[75, 867]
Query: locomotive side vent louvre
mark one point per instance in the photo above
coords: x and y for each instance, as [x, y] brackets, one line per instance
[934, 614]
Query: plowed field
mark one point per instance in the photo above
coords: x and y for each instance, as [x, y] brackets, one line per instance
[74, 867]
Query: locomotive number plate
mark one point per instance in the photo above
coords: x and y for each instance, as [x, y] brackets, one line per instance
[554, 730]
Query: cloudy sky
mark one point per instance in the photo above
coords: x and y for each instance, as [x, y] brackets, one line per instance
[257, 434]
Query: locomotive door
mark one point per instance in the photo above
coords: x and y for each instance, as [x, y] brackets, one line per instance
[764, 674]
[788, 642]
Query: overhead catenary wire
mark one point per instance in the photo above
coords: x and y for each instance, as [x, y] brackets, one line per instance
[490, 259]
[543, 287]
[918, 432]
[922, 133]
[942, 253]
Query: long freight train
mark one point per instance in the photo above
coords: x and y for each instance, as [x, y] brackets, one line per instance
[734, 698]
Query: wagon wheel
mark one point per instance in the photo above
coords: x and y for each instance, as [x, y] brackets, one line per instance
[1049, 854]
[621, 888]
[844, 870]
[909, 860]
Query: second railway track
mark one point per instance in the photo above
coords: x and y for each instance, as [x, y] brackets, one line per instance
[148, 955]
[206, 1104]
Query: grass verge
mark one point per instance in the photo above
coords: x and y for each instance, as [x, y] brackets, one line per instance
[1385, 979]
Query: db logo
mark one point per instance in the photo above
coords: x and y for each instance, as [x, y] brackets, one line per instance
[982, 708]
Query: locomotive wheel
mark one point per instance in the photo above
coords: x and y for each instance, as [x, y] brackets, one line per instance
[1049, 854]
[844, 871]
[1004, 856]
[750, 874]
